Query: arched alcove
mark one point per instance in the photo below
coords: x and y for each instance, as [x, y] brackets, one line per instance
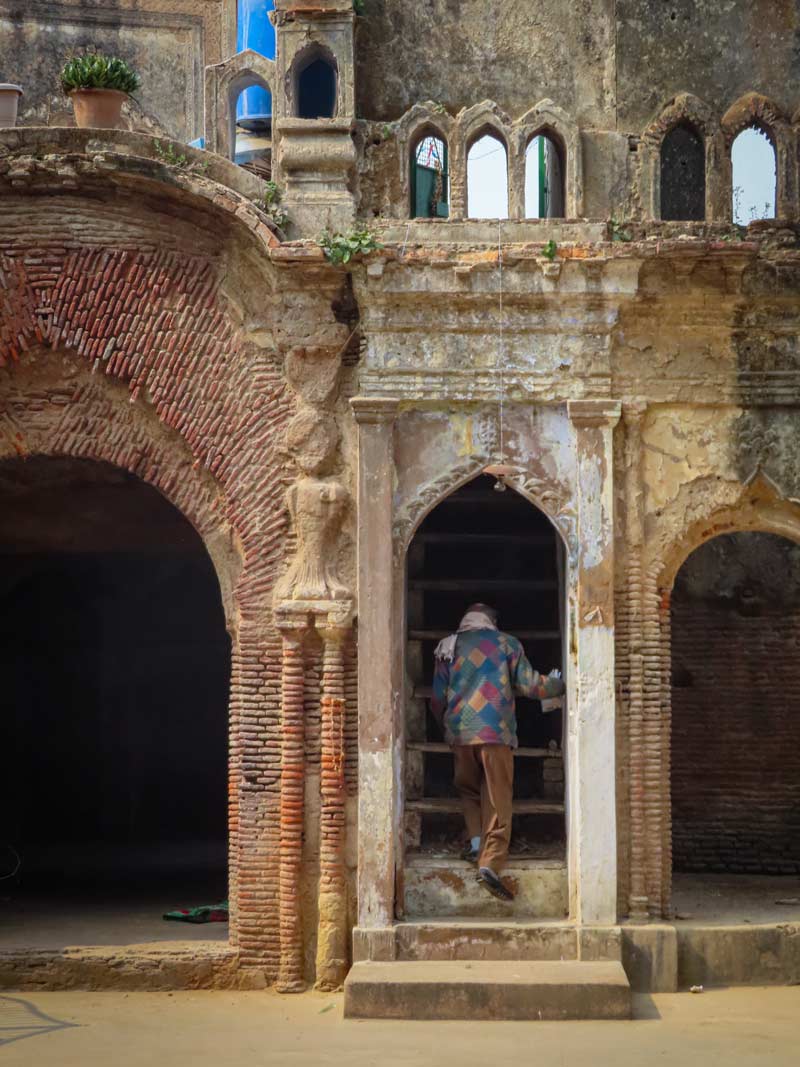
[315, 78]
[114, 737]
[735, 751]
[683, 174]
[430, 177]
[544, 178]
[487, 177]
[482, 545]
[754, 170]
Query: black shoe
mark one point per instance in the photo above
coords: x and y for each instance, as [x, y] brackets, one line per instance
[488, 878]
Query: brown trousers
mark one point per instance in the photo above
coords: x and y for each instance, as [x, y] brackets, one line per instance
[484, 779]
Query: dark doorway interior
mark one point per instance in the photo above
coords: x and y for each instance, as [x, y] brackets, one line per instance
[495, 547]
[736, 707]
[115, 666]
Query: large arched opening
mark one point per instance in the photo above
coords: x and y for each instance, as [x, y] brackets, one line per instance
[114, 737]
[479, 544]
[735, 758]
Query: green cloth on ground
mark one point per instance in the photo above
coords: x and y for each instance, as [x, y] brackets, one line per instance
[205, 913]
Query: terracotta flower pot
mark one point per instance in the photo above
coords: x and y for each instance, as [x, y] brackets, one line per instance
[97, 109]
[9, 99]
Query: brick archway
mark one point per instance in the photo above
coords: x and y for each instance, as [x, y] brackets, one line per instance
[132, 357]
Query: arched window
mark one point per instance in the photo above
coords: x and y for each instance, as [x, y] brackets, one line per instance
[487, 178]
[544, 179]
[316, 88]
[754, 176]
[430, 178]
[683, 175]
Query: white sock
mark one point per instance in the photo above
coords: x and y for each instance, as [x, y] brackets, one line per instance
[475, 842]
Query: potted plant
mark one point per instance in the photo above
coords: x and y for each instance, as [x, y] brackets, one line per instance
[98, 86]
[9, 99]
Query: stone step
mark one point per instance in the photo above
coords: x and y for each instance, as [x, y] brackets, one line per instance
[487, 990]
[438, 888]
[448, 939]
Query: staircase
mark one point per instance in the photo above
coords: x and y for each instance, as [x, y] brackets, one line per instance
[493, 971]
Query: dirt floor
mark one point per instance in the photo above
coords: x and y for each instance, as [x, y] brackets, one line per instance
[737, 1028]
[722, 899]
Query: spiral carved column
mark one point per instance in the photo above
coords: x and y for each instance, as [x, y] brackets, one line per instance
[292, 807]
[332, 939]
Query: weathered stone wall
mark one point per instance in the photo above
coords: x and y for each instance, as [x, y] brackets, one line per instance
[168, 42]
[735, 703]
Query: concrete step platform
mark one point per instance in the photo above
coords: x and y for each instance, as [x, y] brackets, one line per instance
[490, 990]
[449, 939]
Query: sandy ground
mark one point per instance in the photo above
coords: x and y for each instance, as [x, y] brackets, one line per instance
[737, 1028]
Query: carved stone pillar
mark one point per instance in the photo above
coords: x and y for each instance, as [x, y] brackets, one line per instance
[292, 807]
[332, 948]
[634, 591]
[592, 773]
[378, 733]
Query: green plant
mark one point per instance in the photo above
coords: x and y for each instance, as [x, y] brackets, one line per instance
[619, 230]
[341, 247]
[386, 131]
[360, 7]
[549, 250]
[96, 71]
[168, 153]
[270, 204]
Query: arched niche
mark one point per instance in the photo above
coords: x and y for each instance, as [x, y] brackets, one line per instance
[314, 79]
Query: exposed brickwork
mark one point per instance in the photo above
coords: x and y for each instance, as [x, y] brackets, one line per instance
[735, 739]
[128, 352]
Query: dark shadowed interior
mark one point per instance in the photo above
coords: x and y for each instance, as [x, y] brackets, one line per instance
[736, 707]
[495, 547]
[115, 664]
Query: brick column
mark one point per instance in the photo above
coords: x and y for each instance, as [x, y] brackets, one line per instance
[292, 805]
[332, 948]
[378, 801]
[633, 415]
[591, 787]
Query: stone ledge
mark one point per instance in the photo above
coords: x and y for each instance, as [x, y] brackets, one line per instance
[130, 968]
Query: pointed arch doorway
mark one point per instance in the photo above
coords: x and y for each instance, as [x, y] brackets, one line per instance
[479, 544]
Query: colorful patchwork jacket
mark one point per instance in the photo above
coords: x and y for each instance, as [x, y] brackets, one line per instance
[473, 697]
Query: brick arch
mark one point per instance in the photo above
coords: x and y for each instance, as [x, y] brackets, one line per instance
[757, 506]
[130, 354]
